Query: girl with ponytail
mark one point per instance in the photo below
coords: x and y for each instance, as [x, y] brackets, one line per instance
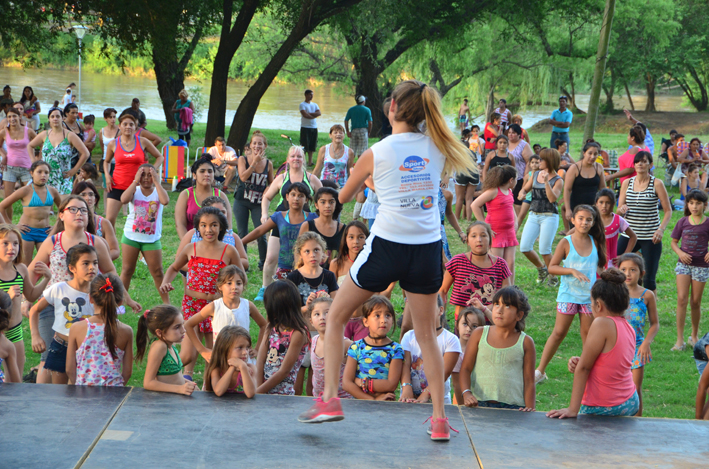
[100, 350]
[405, 240]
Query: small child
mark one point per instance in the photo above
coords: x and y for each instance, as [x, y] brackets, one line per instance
[526, 197]
[163, 372]
[475, 276]
[374, 364]
[283, 351]
[71, 304]
[537, 148]
[643, 306]
[228, 370]
[469, 319]
[309, 277]
[583, 254]
[229, 310]
[87, 173]
[693, 265]
[90, 134]
[603, 382]
[318, 318]
[7, 349]
[100, 350]
[498, 367]
[497, 197]
[413, 377]
[701, 357]
[614, 225]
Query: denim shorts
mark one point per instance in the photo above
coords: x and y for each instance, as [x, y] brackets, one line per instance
[56, 356]
[46, 322]
[16, 173]
[701, 364]
[698, 274]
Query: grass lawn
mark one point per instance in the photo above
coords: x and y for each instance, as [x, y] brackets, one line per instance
[670, 380]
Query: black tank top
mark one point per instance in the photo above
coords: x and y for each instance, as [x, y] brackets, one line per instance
[253, 189]
[500, 161]
[584, 189]
[332, 243]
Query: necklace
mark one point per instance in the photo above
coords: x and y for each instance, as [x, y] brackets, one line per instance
[693, 221]
[348, 257]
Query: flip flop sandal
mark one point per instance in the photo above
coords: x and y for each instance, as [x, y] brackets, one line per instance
[678, 348]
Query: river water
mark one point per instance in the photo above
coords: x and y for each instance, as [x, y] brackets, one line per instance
[278, 108]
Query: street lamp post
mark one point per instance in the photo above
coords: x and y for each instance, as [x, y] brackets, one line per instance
[80, 31]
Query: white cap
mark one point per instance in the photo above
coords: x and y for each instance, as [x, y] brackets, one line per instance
[361, 99]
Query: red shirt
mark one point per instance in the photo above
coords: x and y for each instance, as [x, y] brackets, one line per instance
[127, 163]
[489, 135]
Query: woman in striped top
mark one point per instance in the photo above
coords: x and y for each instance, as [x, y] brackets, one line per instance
[639, 196]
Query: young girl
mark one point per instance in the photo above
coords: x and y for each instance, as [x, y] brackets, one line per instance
[87, 173]
[15, 280]
[8, 354]
[203, 269]
[693, 265]
[163, 372]
[326, 224]
[374, 364]
[614, 225]
[71, 304]
[100, 350]
[414, 385]
[353, 238]
[288, 224]
[228, 371]
[689, 182]
[497, 197]
[318, 318]
[475, 276]
[603, 382]
[526, 197]
[37, 201]
[143, 229]
[309, 277]
[583, 254]
[229, 310]
[283, 351]
[498, 367]
[469, 319]
[643, 306]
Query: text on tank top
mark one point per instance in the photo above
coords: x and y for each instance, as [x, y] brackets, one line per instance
[253, 189]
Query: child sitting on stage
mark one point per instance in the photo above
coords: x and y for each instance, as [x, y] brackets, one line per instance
[469, 319]
[318, 318]
[228, 370]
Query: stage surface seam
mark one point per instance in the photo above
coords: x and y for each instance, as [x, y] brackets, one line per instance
[470, 437]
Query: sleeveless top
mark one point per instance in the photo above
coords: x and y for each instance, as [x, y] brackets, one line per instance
[610, 382]
[335, 169]
[501, 161]
[35, 201]
[636, 316]
[571, 289]
[168, 365]
[224, 316]
[584, 189]
[59, 160]
[57, 259]
[228, 237]
[75, 151]
[193, 206]
[318, 364]
[288, 234]
[540, 201]
[500, 211]
[643, 215]
[332, 243]
[498, 374]
[94, 364]
[253, 189]
[19, 280]
[488, 135]
[99, 229]
[520, 164]
[613, 230]
[17, 150]
[127, 163]
[106, 141]
[282, 205]
[407, 171]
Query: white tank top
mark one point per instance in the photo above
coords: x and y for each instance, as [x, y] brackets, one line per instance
[407, 173]
[224, 316]
[106, 141]
[335, 169]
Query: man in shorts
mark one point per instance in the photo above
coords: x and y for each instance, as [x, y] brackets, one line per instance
[225, 159]
[463, 114]
[361, 118]
[309, 111]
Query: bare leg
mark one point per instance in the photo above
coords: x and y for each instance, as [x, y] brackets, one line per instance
[533, 258]
[299, 381]
[638, 380]
[9, 188]
[406, 322]
[508, 254]
[585, 320]
[59, 378]
[28, 251]
[469, 193]
[44, 376]
[522, 214]
[460, 201]
[695, 304]
[561, 328]
[683, 283]
[269, 267]
[228, 176]
[130, 259]
[20, 354]
[154, 260]
[113, 206]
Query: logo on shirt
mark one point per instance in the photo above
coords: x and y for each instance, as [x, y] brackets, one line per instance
[414, 164]
[427, 202]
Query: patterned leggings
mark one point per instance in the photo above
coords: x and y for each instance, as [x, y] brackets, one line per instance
[627, 408]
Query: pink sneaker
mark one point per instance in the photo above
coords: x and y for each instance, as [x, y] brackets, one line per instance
[330, 411]
[439, 429]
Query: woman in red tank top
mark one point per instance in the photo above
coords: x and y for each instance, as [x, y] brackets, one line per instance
[492, 130]
[129, 150]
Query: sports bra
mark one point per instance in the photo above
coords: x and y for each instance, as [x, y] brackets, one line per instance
[35, 201]
[168, 365]
[19, 280]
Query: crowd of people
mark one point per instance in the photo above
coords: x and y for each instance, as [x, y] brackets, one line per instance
[326, 284]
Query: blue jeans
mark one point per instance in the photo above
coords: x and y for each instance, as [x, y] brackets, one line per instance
[539, 225]
[559, 136]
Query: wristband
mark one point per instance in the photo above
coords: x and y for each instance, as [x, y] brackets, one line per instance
[371, 386]
[406, 384]
[466, 390]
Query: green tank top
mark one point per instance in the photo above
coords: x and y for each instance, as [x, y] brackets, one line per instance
[499, 372]
[287, 183]
[170, 366]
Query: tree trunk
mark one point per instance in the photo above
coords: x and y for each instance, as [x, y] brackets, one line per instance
[368, 69]
[627, 92]
[171, 80]
[650, 82]
[490, 104]
[600, 71]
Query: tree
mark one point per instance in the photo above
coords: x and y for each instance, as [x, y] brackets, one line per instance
[688, 65]
[601, 56]
[166, 30]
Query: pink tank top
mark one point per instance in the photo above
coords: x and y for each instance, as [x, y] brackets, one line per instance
[610, 382]
[193, 207]
[500, 211]
[612, 232]
[17, 150]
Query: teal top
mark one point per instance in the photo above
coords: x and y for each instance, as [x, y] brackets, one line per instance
[360, 115]
[565, 116]
[571, 289]
[498, 374]
[35, 201]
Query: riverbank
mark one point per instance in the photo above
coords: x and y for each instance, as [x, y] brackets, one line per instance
[659, 123]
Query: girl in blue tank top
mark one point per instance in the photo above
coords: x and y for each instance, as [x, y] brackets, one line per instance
[583, 253]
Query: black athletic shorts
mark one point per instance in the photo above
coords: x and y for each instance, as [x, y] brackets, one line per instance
[115, 194]
[467, 179]
[309, 139]
[417, 267]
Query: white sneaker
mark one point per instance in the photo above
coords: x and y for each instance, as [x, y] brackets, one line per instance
[539, 376]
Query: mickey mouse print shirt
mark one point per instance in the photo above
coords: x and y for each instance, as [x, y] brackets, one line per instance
[70, 306]
[278, 343]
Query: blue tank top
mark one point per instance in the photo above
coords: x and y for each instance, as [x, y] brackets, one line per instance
[636, 316]
[288, 234]
[571, 289]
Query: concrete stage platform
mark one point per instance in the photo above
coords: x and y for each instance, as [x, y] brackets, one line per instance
[66, 426]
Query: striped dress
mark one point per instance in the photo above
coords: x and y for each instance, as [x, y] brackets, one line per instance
[643, 215]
